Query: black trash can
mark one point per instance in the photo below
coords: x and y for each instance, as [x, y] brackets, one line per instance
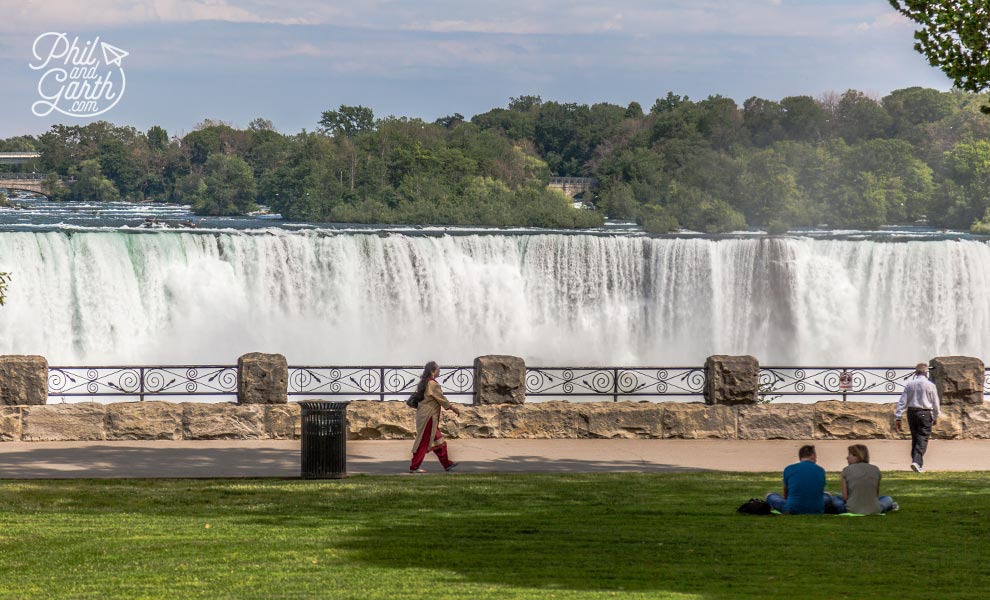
[324, 440]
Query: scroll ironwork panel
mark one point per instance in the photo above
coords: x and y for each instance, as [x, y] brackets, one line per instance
[374, 381]
[179, 380]
[614, 381]
[817, 381]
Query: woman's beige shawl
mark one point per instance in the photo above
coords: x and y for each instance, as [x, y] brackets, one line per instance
[429, 408]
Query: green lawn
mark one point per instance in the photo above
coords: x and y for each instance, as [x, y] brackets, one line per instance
[671, 535]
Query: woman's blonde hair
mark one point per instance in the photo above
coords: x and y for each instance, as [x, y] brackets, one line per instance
[861, 452]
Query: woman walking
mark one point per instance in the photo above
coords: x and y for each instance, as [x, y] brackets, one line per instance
[428, 435]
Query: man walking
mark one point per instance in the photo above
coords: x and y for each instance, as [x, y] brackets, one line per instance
[804, 486]
[920, 398]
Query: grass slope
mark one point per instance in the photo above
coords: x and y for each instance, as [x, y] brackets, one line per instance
[671, 535]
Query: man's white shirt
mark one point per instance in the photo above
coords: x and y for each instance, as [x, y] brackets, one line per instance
[920, 392]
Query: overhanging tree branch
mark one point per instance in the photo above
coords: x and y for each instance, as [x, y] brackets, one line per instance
[954, 36]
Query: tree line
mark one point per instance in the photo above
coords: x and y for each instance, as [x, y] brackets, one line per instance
[843, 160]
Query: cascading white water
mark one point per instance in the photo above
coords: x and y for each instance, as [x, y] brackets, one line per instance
[186, 298]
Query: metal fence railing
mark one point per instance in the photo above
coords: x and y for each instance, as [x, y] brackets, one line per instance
[394, 382]
[383, 382]
[141, 382]
[616, 382]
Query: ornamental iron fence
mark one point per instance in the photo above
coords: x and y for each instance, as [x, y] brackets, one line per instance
[820, 381]
[377, 381]
[645, 383]
[187, 380]
[614, 381]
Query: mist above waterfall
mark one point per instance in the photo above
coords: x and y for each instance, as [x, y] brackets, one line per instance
[184, 298]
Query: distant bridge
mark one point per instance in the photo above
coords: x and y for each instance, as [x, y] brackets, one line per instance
[27, 182]
[17, 158]
[573, 186]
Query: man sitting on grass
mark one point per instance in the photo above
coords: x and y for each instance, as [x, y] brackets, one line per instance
[804, 486]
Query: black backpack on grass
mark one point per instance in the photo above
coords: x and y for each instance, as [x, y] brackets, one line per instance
[754, 506]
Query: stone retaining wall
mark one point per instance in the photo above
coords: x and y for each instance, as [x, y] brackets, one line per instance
[374, 420]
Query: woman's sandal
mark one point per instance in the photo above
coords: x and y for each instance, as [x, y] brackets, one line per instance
[414, 471]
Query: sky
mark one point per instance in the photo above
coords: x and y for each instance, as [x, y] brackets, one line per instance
[289, 60]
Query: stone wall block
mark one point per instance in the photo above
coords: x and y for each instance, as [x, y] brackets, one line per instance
[950, 425]
[222, 421]
[959, 379]
[10, 424]
[377, 420]
[84, 422]
[262, 379]
[499, 379]
[836, 420]
[283, 421]
[776, 422]
[976, 421]
[732, 380]
[23, 380]
[544, 420]
[144, 421]
[692, 421]
[625, 420]
[482, 422]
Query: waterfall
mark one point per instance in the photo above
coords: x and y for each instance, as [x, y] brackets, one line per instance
[357, 298]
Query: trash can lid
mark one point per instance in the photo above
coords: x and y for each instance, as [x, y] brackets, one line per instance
[324, 404]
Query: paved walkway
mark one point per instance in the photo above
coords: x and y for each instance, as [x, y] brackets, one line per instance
[43, 460]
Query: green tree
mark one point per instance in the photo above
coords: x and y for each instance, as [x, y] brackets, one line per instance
[668, 103]
[618, 201]
[657, 219]
[90, 184]
[859, 117]
[763, 121]
[450, 121]
[157, 138]
[804, 119]
[347, 121]
[906, 180]
[953, 36]
[200, 144]
[859, 203]
[979, 227]
[912, 108]
[721, 122]
[964, 196]
[226, 187]
[768, 190]
[699, 211]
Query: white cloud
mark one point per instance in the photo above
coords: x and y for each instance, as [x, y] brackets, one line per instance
[45, 15]
[515, 17]
[885, 21]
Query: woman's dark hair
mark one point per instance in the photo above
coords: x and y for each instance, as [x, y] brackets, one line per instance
[425, 377]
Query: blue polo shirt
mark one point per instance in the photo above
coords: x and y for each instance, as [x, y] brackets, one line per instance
[805, 483]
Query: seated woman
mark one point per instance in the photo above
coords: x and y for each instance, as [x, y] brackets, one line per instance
[861, 485]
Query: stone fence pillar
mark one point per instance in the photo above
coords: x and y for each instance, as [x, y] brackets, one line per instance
[23, 380]
[732, 380]
[959, 379]
[262, 379]
[499, 379]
